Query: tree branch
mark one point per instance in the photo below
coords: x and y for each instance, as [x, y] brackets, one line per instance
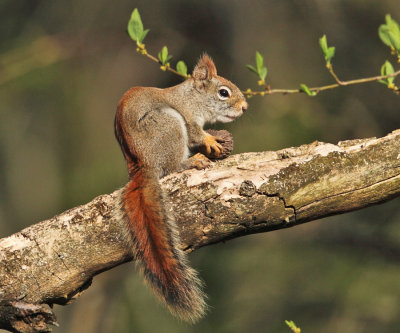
[53, 262]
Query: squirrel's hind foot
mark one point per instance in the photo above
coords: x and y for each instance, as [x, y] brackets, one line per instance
[198, 161]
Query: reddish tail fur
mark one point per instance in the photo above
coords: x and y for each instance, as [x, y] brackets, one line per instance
[156, 247]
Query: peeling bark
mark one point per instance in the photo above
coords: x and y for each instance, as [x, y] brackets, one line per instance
[53, 262]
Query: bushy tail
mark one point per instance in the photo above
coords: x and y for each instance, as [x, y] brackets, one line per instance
[156, 243]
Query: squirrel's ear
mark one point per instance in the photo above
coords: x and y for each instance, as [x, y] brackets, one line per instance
[205, 69]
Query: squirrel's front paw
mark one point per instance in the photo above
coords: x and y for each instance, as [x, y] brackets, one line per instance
[213, 148]
[199, 161]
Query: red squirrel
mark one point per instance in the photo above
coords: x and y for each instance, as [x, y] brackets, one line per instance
[157, 129]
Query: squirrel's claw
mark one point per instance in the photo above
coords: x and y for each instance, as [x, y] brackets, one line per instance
[211, 144]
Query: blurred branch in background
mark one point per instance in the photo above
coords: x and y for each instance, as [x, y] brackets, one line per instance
[43, 51]
[54, 261]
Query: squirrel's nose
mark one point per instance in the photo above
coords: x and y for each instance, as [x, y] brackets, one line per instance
[244, 106]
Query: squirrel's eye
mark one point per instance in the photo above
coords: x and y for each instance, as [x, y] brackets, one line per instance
[224, 93]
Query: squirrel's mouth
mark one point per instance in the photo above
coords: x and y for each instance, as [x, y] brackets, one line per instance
[226, 118]
[233, 117]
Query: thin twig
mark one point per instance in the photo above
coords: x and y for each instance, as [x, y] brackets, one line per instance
[269, 91]
[168, 68]
[322, 88]
[332, 72]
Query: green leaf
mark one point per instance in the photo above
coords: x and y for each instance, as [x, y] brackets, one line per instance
[163, 56]
[387, 69]
[135, 27]
[389, 33]
[262, 73]
[252, 68]
[181, 68]
[259, 61]
[260, 69]
[395, 39]
[323, 43]
[142, 37]
[164, 52]
[388, 19]
[293, 326]
[383, 33]
[392, 24]
[329, 52]
[307, 90]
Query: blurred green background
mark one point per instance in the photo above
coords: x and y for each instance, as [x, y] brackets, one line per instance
[64, 66]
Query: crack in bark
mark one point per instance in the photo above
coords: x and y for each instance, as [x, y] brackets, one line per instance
[43, 254]
[348, 192]
[61, 259]
[282, 198]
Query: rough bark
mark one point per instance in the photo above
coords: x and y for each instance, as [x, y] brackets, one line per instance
[53, 261]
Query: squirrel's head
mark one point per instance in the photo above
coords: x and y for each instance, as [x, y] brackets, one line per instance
[226, 100]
